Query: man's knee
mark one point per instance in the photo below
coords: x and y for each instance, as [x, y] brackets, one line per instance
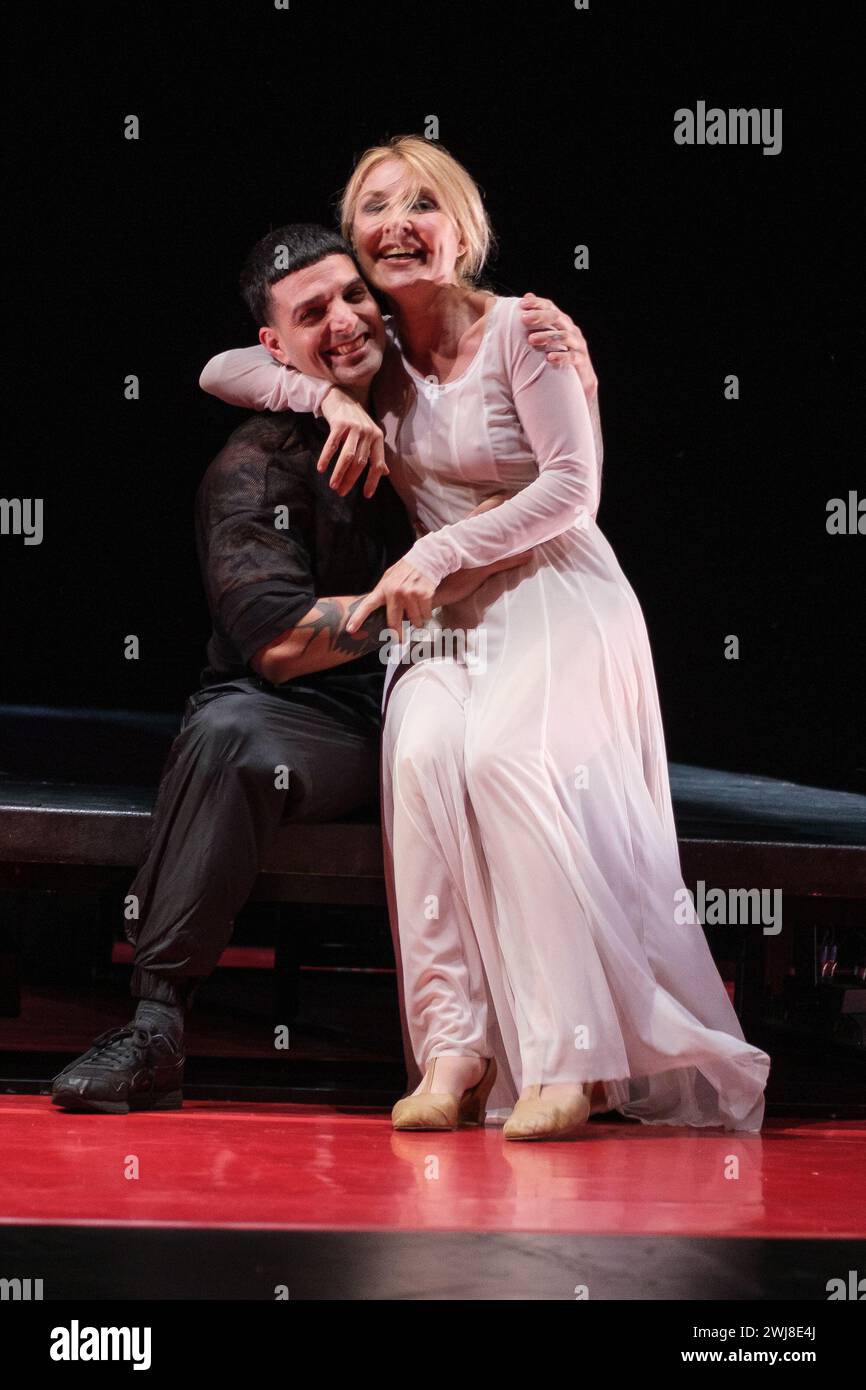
[233, 730]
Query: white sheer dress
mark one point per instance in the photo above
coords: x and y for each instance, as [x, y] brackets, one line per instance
[536, 897]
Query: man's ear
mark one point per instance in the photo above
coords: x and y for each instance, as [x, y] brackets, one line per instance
[270, 339]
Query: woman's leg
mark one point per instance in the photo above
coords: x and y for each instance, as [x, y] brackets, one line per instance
[424, 823]
[566, 771]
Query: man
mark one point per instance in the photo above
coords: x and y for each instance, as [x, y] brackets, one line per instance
[286, 723]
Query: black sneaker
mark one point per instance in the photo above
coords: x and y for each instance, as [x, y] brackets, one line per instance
[131, 1068]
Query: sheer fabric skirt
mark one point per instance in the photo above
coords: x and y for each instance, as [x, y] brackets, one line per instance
[534, 883]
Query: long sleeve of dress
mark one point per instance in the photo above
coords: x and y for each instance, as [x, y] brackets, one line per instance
[555, 419]
[251, 377]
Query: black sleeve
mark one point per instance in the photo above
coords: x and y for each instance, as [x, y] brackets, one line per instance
[257, 573]
[263, 588]
[399, 531]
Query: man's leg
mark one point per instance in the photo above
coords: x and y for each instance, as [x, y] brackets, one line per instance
[220, 802]
[221, 799]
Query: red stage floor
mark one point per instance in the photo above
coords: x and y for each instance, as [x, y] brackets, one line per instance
[295, 1166]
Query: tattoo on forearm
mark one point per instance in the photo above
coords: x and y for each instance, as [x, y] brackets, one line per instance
[331, 620]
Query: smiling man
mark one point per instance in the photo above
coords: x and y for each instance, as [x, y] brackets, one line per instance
[286, 723]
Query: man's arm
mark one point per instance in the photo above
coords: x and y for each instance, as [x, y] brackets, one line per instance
[320, 640]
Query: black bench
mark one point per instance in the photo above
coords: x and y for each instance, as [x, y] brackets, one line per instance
[77, 788]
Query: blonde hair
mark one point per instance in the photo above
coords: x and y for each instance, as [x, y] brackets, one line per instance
[429, 165]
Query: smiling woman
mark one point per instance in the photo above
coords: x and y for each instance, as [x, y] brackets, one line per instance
[413, 176]
[531, 852]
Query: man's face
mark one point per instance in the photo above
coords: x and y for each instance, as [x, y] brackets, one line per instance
[326, 323]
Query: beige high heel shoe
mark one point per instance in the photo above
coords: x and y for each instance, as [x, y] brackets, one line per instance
[536, 1118]
[443, 1110]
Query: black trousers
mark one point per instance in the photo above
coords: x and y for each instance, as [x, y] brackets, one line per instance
[218, 808]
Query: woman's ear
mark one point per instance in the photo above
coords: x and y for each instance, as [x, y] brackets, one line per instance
[269, 338]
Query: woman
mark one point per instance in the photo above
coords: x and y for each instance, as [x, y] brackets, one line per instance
[533, 866]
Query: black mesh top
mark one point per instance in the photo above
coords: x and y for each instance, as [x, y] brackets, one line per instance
[262, 574]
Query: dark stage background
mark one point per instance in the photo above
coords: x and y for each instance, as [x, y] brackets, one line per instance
[703, 262]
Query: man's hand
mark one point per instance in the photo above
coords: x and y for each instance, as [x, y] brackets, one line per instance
[361, 439]
[459, 585]
[552, 329]
[463, 582]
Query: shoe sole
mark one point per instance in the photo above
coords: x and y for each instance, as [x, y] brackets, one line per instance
[568, 1133]
[169, 1100]
[535, 1138]
[451, 1129]
[461, 1124]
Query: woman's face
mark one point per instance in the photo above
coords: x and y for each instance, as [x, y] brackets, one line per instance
[400, 252]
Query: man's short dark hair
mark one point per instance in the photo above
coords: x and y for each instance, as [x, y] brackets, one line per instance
[279, 254]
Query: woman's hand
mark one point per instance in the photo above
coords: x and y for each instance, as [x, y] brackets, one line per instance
[361, 439]
[402, 590]
[565, 345]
